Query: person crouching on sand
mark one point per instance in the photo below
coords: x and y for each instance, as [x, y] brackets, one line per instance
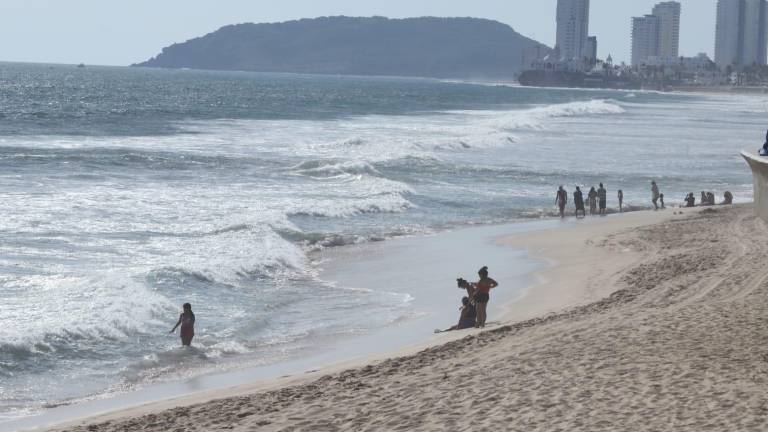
[483, 289]
[187, 323]
[466, 319]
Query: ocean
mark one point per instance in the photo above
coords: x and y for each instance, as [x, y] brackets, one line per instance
[126, 192]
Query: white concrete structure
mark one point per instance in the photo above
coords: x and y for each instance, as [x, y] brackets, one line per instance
[759, 166]
[645, 39]
[742, 37]
[669, 28]
[572, 29]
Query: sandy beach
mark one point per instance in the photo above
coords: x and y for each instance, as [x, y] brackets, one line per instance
[647, 321]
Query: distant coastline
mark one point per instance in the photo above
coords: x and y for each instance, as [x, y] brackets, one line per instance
[444, 48]
[720, 89]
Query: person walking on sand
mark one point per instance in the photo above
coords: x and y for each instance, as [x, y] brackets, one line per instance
[561, 200]
[482, 295]
[602, 197]
[187, 323]
[661, 201]
[654, 195]
[578, 201]
[621, 201]
[592, 197]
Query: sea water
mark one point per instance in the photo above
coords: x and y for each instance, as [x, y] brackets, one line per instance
[126, 192]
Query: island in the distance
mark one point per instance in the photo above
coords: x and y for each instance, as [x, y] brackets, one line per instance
[460, 48]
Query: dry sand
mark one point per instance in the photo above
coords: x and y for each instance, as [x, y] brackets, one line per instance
[670, 333]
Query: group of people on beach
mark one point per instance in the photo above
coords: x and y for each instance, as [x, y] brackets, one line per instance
[474, 306]
[597, 200]
[708, 199]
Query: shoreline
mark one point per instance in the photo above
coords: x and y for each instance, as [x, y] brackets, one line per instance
[572, 256]
[357, 263]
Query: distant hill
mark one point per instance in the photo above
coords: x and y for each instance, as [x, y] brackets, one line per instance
[420, 47]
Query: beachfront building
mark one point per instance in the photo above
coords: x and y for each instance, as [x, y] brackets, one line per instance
[645, 39]
[572, 29]
[741, 39]
[592, 49]
[656, 37]
[669, 28]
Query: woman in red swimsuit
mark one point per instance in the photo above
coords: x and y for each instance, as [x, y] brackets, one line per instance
[187, 323]
[483, 289]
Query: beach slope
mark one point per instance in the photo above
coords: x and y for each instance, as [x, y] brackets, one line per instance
[676, 342]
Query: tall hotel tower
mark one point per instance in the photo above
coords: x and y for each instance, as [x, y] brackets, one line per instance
[669, 28]
[742, 39]
[572, 29]
[656, 37]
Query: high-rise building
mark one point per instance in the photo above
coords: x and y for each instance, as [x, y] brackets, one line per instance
[572, 29]
[656, 37]
[742, 39]
[592, 49]
[669, 28]
[754, 45]
[645, 39]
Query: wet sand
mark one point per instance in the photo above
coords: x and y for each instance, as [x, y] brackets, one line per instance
[645, 322]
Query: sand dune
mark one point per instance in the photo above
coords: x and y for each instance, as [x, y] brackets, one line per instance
[679, 341]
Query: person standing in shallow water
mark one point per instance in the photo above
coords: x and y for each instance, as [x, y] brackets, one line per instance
[602, 197]
[654, 195]
[561, 200]
[187, 323]
[483, 289]
[592, 197]
[578, 201]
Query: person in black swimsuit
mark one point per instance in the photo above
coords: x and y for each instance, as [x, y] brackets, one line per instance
[187, 323]
[466, 319]
[561, 199]
[578, 201]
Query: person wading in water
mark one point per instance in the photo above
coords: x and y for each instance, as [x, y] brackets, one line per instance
[561, 200]
[578, 201]
[187, 323]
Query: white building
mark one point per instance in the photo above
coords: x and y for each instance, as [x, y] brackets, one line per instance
[741, 38]
[656, 37]
[669, 28]
[754, 39]
[645, 39]
[572, 29]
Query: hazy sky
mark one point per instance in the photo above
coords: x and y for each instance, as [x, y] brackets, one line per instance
[120, 32]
